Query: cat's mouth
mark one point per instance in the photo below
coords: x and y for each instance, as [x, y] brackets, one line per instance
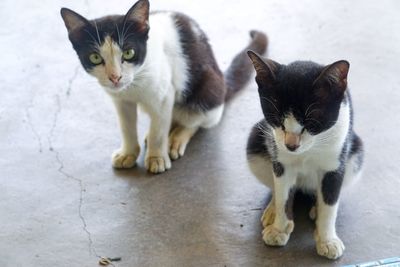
[116, 87]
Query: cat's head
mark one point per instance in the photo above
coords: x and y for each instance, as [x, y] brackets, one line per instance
[110, 48]
[300, 100]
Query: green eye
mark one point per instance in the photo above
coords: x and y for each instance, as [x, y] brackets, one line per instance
[128, 54]
[95, 58]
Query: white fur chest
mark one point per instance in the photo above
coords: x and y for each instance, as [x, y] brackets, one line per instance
[323, 156]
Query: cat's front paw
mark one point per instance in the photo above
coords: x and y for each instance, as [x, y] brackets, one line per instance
[122, 160]
[275, 237]
[157, 164]
[331, 248]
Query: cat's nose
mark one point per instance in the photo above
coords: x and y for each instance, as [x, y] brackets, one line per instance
[292, 147]
[115, 78]
[292, 141]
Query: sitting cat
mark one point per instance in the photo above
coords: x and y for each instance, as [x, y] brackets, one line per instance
[164, 63]
[305, 142]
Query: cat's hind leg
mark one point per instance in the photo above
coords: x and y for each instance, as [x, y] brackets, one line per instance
[179, 138]
[186, 123]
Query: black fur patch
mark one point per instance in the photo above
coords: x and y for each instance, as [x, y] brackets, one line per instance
[331, 185]
[278, 168]
[357, 150]
[206, 88]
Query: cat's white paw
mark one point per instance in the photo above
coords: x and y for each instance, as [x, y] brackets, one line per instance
[332, 248]
[157, 164]
[313, 213]
[121, 160]
[177, 149]
[274, 237]
[178, 141]
[268, 216]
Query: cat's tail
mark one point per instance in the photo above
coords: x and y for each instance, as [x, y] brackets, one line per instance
[241, 69]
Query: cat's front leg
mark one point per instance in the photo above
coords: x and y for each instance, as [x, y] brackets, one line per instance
[278, 233]
[126, 155]
[327, 241]
[157, 159]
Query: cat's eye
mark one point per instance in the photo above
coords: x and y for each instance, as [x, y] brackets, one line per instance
[128, 54]
[95, 58]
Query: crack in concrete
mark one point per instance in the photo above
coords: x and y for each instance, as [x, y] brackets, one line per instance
[31, 125]
[71, 81]
[82, 189]
[53, 126]
[61, 168]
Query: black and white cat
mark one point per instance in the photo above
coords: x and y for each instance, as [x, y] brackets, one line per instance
[163, 62]
[305, 142]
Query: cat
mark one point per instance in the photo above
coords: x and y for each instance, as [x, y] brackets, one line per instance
[305, 142]
[161, 61]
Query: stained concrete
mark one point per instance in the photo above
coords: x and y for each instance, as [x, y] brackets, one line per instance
[62, 204]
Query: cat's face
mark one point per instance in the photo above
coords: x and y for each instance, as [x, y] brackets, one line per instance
[301, 100]
[112, 48]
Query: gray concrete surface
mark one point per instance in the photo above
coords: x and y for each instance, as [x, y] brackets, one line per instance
[61, 203]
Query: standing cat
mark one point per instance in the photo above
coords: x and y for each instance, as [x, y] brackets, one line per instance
[305, 142]
[164, 63]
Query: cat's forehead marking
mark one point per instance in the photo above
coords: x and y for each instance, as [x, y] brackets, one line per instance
[111, 54]
[292, 125]
[110, 50]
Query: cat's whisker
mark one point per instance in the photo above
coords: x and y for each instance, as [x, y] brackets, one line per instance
[313, 120]
[94, 39]
[272, 103]
[119, 36]
[312, 104]
[126, 37]
[97, 31]
[126, 30]
[311, 112]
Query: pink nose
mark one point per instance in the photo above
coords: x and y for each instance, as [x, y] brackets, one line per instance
[114, 78]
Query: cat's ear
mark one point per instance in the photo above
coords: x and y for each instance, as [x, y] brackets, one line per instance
[140, 13]
[265, 68]
[72, 19]
[333, 79]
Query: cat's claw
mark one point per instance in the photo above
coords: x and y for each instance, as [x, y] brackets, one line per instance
[332, 248]
[274, 237]
[122, 160]
[313, 213]
[157, 164]
[268, 216]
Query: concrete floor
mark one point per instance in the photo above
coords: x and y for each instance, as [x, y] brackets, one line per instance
[62, 204]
